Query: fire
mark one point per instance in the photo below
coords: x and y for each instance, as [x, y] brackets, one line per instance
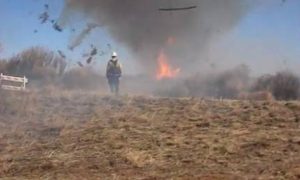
[164, 69]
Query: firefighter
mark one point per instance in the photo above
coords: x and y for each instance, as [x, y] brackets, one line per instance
[113, 73]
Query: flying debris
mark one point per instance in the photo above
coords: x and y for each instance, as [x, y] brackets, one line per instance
[92, 54]
[61, 54]
[89, 60]
[80, 64]
[177, 9]
[44, 17]
[46, 6]
[94, 51]
[57, 27]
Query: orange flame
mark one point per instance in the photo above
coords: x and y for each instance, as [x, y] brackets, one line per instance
[164, 69]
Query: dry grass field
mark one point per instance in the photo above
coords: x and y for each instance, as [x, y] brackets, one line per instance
[73, 135]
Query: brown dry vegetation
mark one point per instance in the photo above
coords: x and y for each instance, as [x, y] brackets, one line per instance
[45, 69]
[38, 64]
[90, 136]
[256, 96]
[283, 85]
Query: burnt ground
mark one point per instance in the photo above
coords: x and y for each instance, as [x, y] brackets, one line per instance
[91, 136]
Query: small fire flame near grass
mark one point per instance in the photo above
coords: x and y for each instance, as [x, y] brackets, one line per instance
[165, 70]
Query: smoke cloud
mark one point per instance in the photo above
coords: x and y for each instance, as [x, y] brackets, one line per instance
[144, 30]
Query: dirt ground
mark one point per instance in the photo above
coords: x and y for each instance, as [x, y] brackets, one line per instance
[91, 136]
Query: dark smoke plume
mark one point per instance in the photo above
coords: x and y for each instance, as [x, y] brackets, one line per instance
[144, 29]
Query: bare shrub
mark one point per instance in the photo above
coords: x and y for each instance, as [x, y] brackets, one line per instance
[286, 86]
[38, 64]
[47, 70]
[283, 85]
[263, 83]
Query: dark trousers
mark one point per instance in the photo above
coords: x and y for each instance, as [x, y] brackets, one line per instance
[113, 83]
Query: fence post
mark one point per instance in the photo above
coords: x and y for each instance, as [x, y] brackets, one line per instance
[24, 83]
[20, 87]
[1, 79]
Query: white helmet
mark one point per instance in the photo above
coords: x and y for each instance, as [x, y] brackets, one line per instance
[114, 54]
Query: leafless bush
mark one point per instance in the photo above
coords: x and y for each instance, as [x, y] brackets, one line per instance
[263, 83]
[46, 69]
[283, 85]
[38, 64]
[286, 86]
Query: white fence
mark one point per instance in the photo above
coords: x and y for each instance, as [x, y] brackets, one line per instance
[21, 81]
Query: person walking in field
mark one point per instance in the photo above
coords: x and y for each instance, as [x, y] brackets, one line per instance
[113, 73]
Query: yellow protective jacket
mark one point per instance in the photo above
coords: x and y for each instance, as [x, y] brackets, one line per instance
[113, 69]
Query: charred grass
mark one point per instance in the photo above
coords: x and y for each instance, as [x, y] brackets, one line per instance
[74, 135]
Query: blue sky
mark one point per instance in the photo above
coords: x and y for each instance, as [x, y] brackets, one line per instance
[268, 39]
[271, 31]
[20, 18]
